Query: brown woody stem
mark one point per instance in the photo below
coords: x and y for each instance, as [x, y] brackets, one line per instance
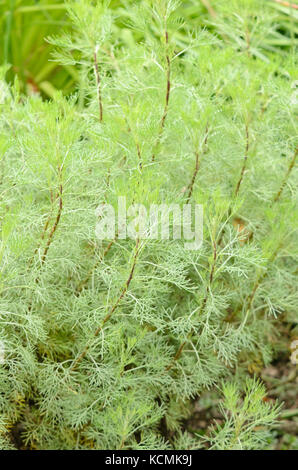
[244, 161]
[57, 220]
[98, 84]
[290, 168]
[197, 167]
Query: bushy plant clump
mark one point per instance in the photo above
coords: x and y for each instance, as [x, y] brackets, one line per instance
[104, 340]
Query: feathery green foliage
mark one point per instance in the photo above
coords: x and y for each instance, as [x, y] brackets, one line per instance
[246, 419]
[103, 340]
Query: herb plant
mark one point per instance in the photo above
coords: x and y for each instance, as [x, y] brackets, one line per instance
[105, 343]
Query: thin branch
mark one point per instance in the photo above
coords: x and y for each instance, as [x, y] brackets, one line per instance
[209, 7]
[82, 284]
[136, 144]
[57, 220]
[250, 298]
[203, 306]
[290, 168]
[247, 40]
[168, 92]
[45, 229]
[98, 83]
[139, 155]
[53, 230]
[245, 160]
[113, 308]
[211, 275]
[240, 179]
[197, 167]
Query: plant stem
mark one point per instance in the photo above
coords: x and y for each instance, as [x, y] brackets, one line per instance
[256, 286]
[197, 167]
[290, 168]
[209, 7]
[82, 284]
[203, 306]
[98, 84]
[168, 92]
[136, 144]
[240, 178]
[45, 229]
[113, 308]
[57, 220]
[244, 162]
[53, 230]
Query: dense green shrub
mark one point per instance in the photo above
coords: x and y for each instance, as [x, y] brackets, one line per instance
[104, 340]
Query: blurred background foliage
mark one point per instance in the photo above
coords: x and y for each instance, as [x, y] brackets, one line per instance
[25, 25]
